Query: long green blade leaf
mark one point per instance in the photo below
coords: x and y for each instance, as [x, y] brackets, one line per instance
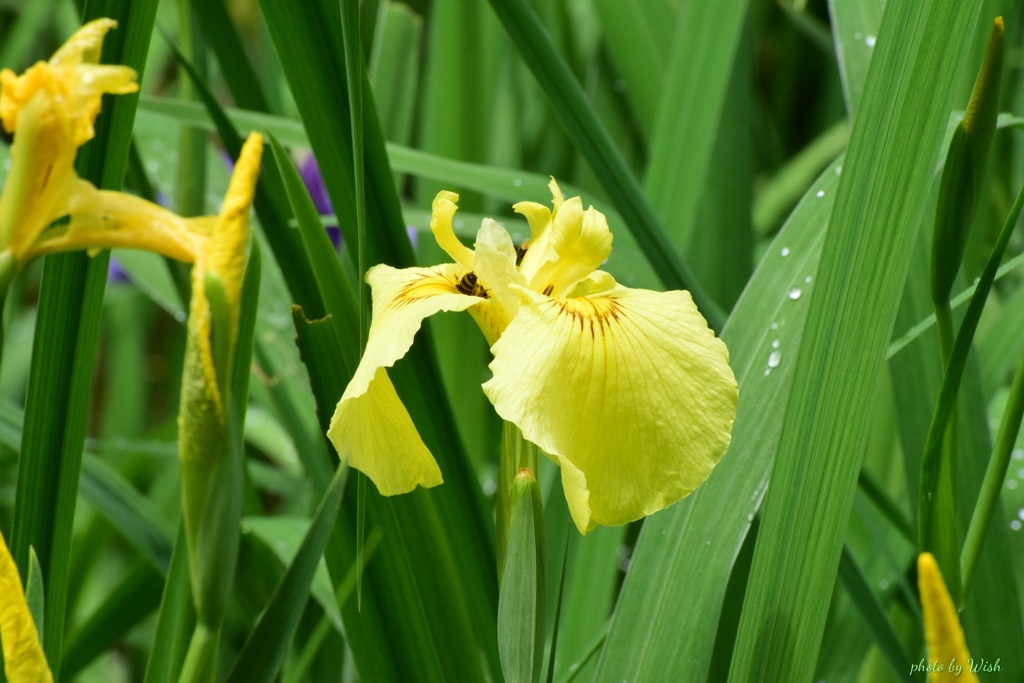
[865, 259]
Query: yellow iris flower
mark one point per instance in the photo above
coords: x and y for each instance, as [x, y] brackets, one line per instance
[50, 109]
[24, 660]
[627, 390]
[948, 658]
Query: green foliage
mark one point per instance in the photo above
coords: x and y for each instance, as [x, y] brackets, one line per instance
[786, 162]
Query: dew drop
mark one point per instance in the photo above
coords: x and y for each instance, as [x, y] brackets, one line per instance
[808, 279]
[883, 584]
[839, 169]
[1020, 474]
[1020, 514]
[518, 182]
[1015, 525]
[774, 326]
[774, 358]
[785, 252]
[1011, 484]
[750, 516]
[795, 293]
[1018, 454]
[776, 343]
[458, 222]
[869, 41]
[858, 35]
[490, 486]
[820, 193]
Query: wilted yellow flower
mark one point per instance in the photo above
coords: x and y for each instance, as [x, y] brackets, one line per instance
[24, 660]
[50, 109]
[628, 390]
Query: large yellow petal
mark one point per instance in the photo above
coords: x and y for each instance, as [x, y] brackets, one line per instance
[371, 429]
[101, 219]
[24, 661]
[941, 625]
[628, 386]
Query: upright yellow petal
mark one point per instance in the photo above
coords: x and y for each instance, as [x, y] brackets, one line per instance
[941, 625]
[371, 429]
[225, 253]
[627, 386]
[442, 212]
[84, 45]
[495, 259]
[24, 660]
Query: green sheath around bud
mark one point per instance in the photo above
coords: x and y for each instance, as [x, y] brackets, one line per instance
[521, 604]
[209, 431]
[963, 176]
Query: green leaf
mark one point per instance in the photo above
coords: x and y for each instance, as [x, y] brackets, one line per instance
[223, 38]
[70, 299]
[133, 599]
[35, 594]
[855, 29]
[856, 584]
[392, 69]
[263, 653]
[176, 621]
[963, 175]
[133, 515]
[704, 49]
[639, 37]
[931, 529]
[865, 259]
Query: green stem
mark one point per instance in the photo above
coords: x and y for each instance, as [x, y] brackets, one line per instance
[944, 323]
[201, 660]
[516, 453]
[994, 476]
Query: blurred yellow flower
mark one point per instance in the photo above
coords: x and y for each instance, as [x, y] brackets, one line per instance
[24, 660]
[628, 390]
[50, 109]
[948, 658]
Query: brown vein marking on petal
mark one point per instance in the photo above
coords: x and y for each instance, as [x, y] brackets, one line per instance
[425, 287]
[587, 312]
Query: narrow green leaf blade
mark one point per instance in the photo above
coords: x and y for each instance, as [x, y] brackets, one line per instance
[70, 299]
[263, 653]
[704, 50]
[865, 259]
